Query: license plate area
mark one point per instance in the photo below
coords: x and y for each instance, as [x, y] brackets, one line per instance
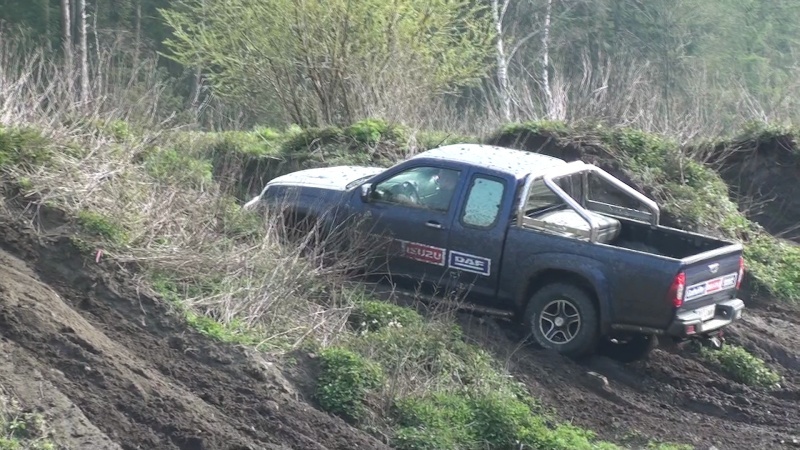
[706, 312]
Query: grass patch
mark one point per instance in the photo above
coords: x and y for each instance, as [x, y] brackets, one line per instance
[22, 430]
[97, 224]
[440, 392]
[741, 365]
[23, 146]
[344, 381]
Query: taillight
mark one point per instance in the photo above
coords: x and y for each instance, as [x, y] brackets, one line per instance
[676, 290]
[741, 272]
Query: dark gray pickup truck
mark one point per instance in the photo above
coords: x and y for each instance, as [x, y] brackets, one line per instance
[574, 253]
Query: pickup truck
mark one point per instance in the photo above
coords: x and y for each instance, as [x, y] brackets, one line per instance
[574, 254]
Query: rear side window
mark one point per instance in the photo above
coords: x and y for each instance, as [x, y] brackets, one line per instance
[483, 202]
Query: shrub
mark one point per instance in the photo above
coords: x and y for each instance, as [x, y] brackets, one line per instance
[344, 381]
[23, 146]
[20, 429]
[741, 365]
[96, 223]
[480, 420]
[174, 167]
[373, 315]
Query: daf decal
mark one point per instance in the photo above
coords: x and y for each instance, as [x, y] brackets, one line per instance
[470, 263]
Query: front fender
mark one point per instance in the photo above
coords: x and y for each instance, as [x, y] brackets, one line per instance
[590, 270]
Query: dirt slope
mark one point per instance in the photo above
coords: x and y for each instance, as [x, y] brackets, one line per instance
[110, 370]
[672, 397]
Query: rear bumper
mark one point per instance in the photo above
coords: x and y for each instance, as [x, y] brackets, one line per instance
[689, 323]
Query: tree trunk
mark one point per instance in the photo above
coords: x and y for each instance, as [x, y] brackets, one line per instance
[84, 51]
[502, 60]
[138, 41]
[47, 30]
[66, 36]
[548, 95]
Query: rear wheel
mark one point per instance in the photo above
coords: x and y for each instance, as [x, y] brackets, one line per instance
[562, 317]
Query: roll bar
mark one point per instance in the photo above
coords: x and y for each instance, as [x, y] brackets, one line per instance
[581, 167]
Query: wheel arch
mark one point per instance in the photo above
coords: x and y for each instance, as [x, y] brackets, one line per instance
[588, 279]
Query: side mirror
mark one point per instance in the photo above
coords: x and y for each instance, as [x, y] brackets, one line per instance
[366, 192]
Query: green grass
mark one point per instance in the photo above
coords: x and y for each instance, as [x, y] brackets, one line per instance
[22, 430]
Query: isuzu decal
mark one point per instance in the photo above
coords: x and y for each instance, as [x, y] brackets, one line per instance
[470, 263]
[423, 253]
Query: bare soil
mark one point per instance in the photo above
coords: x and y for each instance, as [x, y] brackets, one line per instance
[112, 368]
[674, 396]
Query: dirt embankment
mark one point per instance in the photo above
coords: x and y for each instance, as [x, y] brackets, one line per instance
[674, 396]
[763, 175]
[110, 369]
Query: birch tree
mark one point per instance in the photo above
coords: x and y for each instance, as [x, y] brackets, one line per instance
[66, 35]
[84, 51]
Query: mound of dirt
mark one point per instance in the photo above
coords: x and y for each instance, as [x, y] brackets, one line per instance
[109, 368]
[763, 178]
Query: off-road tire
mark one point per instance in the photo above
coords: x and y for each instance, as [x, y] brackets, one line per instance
[634, 348]
[576, 303]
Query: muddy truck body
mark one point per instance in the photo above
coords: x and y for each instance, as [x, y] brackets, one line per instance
[575, 254]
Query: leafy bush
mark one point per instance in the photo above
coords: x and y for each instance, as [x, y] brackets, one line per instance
[372, 131]
[23, 146]
[174, 167]
[481, 420]
[22, 430]
[741, 365]
[100, 225]
[344, 381]
[373, 315]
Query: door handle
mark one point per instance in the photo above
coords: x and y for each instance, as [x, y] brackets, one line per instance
[434, 224]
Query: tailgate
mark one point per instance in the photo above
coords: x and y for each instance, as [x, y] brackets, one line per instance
[712, 277]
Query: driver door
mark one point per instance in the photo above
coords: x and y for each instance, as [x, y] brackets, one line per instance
[419, 231]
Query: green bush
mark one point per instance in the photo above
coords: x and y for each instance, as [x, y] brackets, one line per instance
[437, 421]
[479, 421]
[344, 381]
[174, 167]
[23, 146]
[96, 223]
[372, 131]
[741, 365]
[371, 315]
[22, 430]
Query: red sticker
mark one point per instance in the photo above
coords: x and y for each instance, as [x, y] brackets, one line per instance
[714, 285]
[423, 253]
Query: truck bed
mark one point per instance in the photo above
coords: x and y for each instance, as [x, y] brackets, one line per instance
[664, 241]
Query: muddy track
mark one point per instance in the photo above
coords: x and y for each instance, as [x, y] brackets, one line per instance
[111, 369]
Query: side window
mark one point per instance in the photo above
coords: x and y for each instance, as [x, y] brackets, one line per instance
[423, 187]
[483, 202]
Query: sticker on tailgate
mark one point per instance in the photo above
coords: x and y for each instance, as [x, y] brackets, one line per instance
[711, 286]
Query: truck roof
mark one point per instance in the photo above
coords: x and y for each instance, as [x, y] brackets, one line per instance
[517, 162]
